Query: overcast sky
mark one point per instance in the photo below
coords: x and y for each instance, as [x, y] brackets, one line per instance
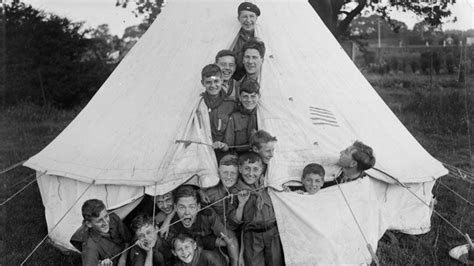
[96, 12]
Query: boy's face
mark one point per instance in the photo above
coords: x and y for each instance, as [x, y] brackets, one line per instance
[227, 66]
[247, 20]
[251, 172]
[252, 61]
[184, 250]
[212, 84]
[147, 234]
[265, 151]
[313, 183]
[249, 100]
[165, 202]
[228, 175]
[187, 208]
[345, 158]
[100, 224]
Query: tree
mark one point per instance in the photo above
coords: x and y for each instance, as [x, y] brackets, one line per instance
[45, 58]
[336, 14]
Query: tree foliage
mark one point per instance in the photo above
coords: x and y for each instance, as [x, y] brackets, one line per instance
[45, 58]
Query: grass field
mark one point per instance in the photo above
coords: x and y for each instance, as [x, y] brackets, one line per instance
[432, 109]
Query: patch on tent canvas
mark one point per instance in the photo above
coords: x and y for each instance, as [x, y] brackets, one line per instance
[320, 116]
[462, 254]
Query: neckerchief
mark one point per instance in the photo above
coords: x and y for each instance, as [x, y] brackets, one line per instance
[252, 125]
[214, 102]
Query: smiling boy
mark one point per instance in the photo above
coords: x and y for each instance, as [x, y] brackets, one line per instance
[243, 123]
[189, 253]
[106, 236]
[204, 226]
[226, 60]
[254, 211]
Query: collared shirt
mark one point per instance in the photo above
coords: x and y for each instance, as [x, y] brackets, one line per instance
[216, 193]
[237, 132]
[99, 247]
[205, 230]
[258, 211]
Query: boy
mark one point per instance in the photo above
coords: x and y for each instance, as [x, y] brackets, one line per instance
[204, 226]
[188, 253]
[312, 180]
[247, 14]
[354, 160]
[253, 56]
[228, 174]
[254, 211]
[226, 60]
[164, 208]
[106, 236]
[220, 106]
[263, 143]
[150, 250]
[243, 123]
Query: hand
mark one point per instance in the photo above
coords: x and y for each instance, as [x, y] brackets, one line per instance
[106, 262]
[204, 197]
[227, 240]
[145, 245]
[299, 191]
[220, 145]
[164, 230]
[243, 196]
[220, 242]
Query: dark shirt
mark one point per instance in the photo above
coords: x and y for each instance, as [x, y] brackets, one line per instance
[238, 131]
[99, 247]
[216, 193]
[219, 118]
[203, 257]
[161, 254]
[205, 230]
[258, 211]
[242, 39]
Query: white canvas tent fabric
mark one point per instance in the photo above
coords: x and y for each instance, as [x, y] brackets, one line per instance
[313, 99]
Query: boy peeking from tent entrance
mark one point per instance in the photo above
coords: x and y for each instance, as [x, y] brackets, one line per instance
[106, 236]
[263, 143]
[253, 54]
[253, 211]
[150, 249]
[243, 123]
[220, 105]
[202, 225]
[226, 61]
[228, 175]
[188, 252]
[354, 160]
[247, 14]
[312, 180]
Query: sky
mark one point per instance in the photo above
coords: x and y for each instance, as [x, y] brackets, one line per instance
[97, 12]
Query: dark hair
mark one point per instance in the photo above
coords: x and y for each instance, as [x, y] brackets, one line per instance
[211, 70]
[139, 221]
[223, 53]
[229, 159]
[92, 209]
[249, 86]
[363, 155]
[313, 168]
[249, 157]
[186, 191]
[181, 237]
[259, 137]
[254, 44]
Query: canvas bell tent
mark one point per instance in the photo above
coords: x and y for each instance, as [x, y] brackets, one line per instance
[314, 100]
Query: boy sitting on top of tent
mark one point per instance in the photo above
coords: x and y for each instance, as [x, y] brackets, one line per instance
[228, 174]
[220, 106]
[243, 123]
[204, 226]
[247, 14]
[226, 60]
[253, 209]
[312, 180]
[150, 249]
[106, 236]
[184, 247]
[354, 160]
